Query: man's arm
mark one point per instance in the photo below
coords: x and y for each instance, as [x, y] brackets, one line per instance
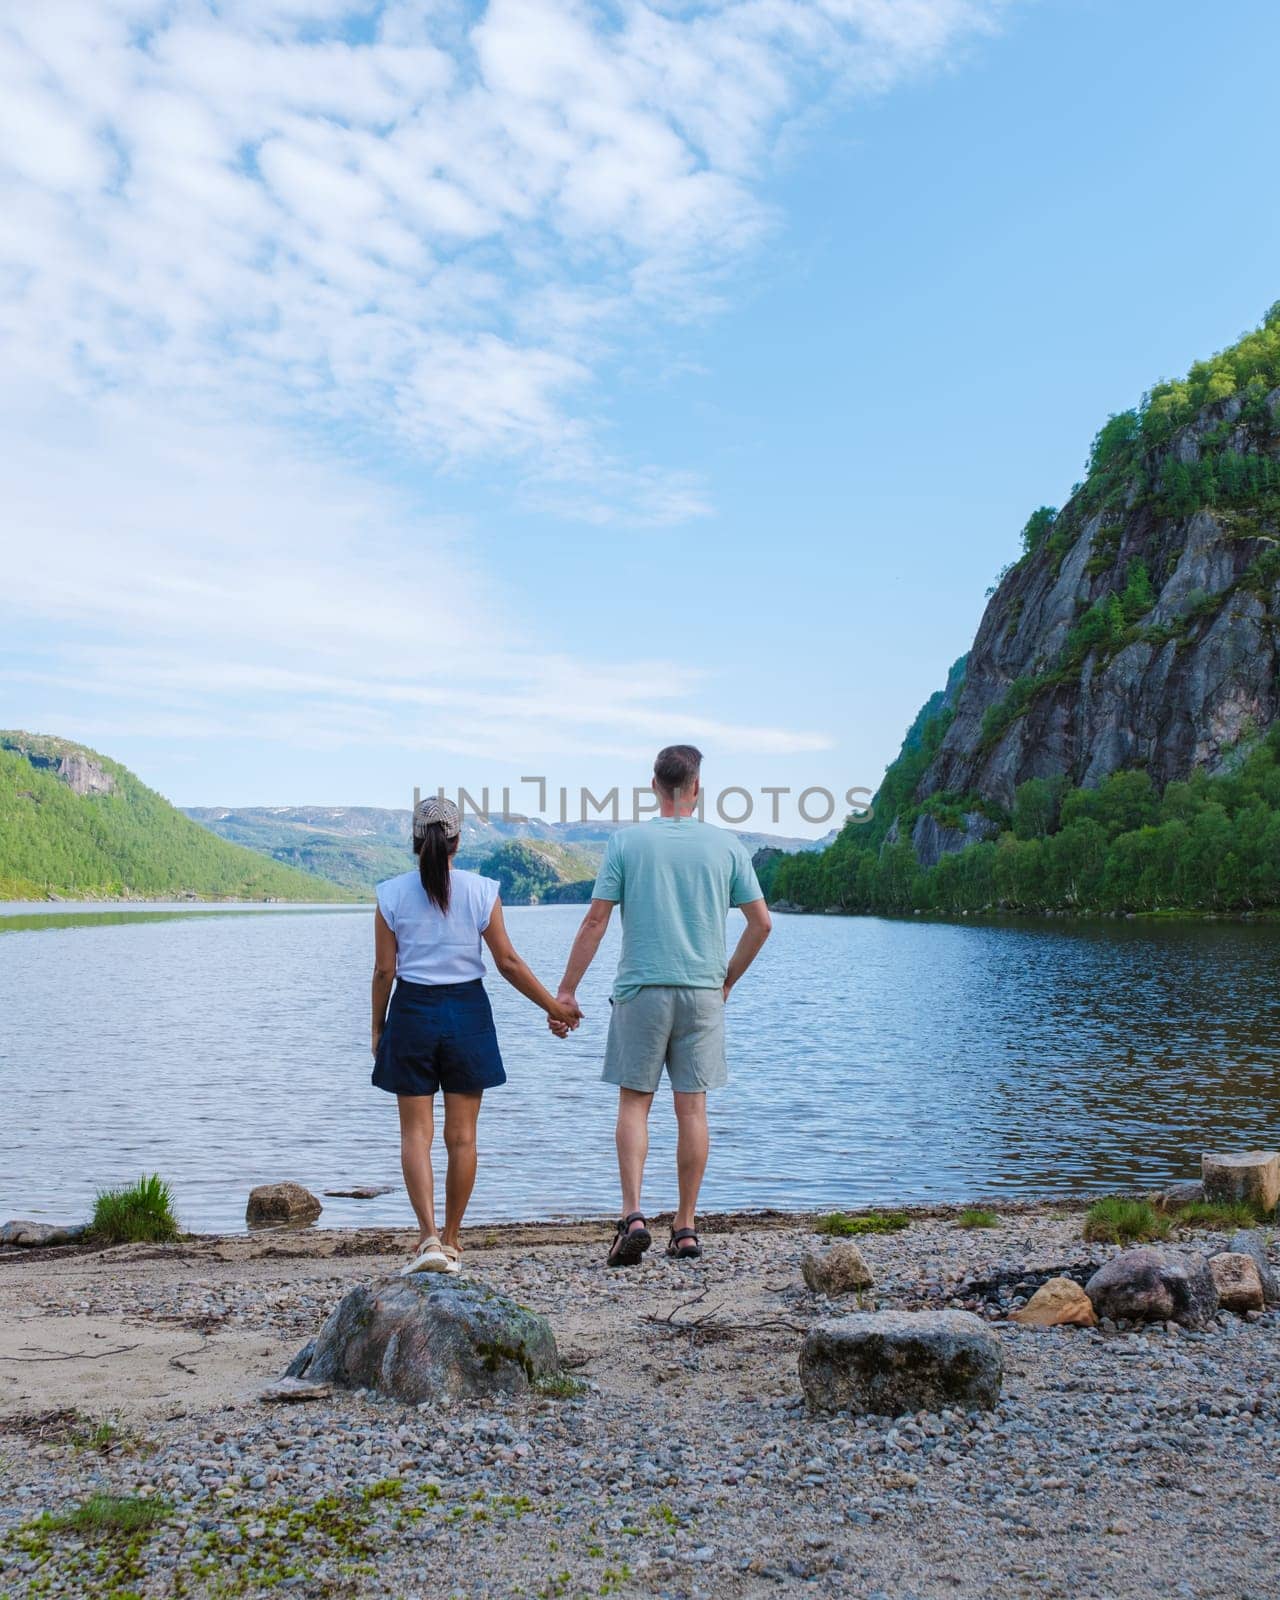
[759, 927]
[584, 950]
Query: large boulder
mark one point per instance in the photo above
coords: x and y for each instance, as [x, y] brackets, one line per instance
[1252, 1242]
[430, 1336]
[282, 1203]
[840, 1270]
[1248, 1176]
[1147, 1285]
[41, 1235]
[1057, 1303]
[890, 1362]
[1238, 1282]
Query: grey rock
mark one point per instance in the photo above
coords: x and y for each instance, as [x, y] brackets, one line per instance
[298, 1366]
[1252, 1242]
[889, 1363]
[294, 1389]
[360, 1191]
[1188, 1193]
[282, 1203]
[82, 773]
[840, 1270]
[40, 1235]
[432, 1336]
[933, 839]
[1148, 1285]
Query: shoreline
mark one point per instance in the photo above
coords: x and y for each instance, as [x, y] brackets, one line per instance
[176, 902]
[319, 1239]
[1025, 914]
[180, 902]
[679, 1464]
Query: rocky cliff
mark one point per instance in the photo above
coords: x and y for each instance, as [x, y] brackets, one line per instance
[81, 771]
[1139, 629]
[1111, 742]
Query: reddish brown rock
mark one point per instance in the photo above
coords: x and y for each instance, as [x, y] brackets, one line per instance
[282, 1203]
[1056, 1304]
[1238, 1281]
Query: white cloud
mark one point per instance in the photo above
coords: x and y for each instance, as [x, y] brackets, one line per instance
[424, 217]
[222, 585]
[230, 227]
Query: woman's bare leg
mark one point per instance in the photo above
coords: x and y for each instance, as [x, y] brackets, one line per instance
[417, 1128]
[460, 1114]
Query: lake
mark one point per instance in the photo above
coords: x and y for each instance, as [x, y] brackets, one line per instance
[872, 1061]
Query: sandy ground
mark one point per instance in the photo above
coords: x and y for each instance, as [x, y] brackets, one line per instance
[131, 1330]
[1118, 1463]
[107, 1333]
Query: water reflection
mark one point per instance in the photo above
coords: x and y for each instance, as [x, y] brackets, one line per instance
[18, 916]
[871, 1061]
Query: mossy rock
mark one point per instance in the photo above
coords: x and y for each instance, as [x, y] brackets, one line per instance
[428, 1337]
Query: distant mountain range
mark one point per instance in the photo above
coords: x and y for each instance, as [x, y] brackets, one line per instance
[75, 824]
[357, 846]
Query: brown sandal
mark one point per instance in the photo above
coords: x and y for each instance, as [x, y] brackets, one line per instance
[627, 1248]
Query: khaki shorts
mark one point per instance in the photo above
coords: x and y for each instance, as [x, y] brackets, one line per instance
[681, 1029]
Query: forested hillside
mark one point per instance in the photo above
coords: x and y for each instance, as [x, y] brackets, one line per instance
[540, 873]
[1109, 742]
[75, 824]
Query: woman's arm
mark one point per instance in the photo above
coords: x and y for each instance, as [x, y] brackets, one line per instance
[518, 975]
[384, 973]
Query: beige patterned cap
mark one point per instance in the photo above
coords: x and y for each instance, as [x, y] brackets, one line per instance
[435, 809]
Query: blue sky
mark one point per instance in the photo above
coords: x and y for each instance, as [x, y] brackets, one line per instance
[434, 395]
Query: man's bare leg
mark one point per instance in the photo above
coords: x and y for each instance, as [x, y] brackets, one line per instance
[632, 1136]
[692, 1145]
[417, 1128]
[460, 1114]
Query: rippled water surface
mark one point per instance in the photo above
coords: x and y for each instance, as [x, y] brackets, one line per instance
[871, 1061]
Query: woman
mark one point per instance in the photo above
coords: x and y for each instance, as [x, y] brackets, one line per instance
[438, 1032]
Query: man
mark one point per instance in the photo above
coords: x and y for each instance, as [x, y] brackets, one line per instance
[675, 879]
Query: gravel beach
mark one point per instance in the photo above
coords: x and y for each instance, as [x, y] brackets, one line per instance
[1119, 1462]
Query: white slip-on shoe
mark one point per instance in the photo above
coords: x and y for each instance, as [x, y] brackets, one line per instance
[454, 1257]
[430, 1258]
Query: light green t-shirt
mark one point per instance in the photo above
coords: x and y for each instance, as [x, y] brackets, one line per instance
[675, 879]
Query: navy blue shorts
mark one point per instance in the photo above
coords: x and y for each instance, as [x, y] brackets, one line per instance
[438, 1036]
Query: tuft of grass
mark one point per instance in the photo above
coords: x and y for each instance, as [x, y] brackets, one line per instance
[559, 1387]
[1220, 1214]
[140, 1213]
[840, 1225]
[976, 1217]
[102, 1515]
[1117, 1221]
[96, 1435]
[384, 1489]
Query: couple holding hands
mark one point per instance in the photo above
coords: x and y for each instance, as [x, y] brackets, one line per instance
[674, 879]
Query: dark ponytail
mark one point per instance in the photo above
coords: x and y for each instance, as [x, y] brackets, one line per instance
[434, 849]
